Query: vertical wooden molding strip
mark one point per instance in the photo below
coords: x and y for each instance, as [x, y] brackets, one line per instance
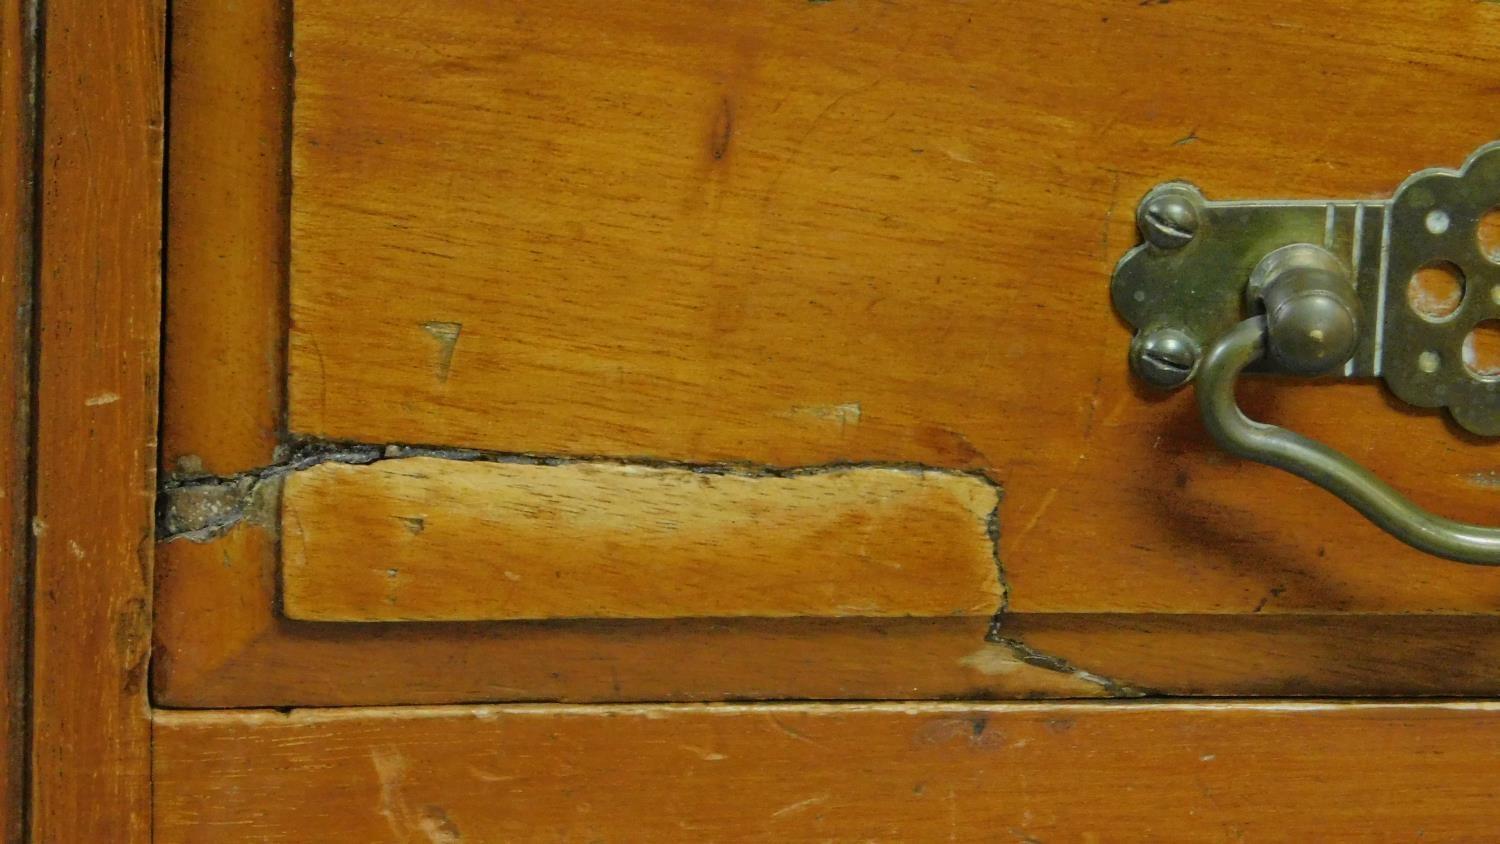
[223, 371]
[17, 113]
[98, 319]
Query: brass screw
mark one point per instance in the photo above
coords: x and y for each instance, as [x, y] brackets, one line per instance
[1165, 357]
[1168, 220]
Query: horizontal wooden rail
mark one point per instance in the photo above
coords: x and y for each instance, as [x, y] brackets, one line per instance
[1007, 772]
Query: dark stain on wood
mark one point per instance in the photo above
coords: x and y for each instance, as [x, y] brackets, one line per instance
[723, 130]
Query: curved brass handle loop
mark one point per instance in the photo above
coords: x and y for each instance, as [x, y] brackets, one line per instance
[1393, 512]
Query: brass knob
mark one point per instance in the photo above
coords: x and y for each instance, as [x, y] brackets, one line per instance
[1312, 315]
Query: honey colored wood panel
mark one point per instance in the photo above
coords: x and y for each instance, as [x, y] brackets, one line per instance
[222, 642]
[98, 317]
[17, 204]
[885, 772]
[429, 539]
[801, 233]
[224, 368]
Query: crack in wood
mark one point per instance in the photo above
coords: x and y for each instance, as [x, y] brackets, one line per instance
[1051, 662]
[199, 507]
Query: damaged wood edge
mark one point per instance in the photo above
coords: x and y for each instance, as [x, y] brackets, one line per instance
[481, 542]
[1039, 659]
[1031, 656]
[1024, 652]
[201, 508]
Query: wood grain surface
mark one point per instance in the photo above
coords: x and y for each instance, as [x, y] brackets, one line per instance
[792, 235]
[427, 539]
[885, 772]
[222, 642]
[226, 259]
[98, 303]
[816, 232]
[17, 204]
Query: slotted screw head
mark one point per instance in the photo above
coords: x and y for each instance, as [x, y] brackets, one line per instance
[1168, 220]
[1165, 357]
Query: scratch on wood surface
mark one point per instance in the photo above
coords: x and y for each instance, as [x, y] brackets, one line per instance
[390, 769]
[705, 755]
[1190, 138]
[1041, 510]
[778, 724]
[490, 776]
[800, 805]
[1483, 480]
[1109, 217]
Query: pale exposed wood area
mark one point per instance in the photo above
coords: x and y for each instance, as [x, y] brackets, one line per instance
[96, 400]
[428, 539]
[17, 181]
[221, 642]
[226, 257]
[895, 772]
[807, 232]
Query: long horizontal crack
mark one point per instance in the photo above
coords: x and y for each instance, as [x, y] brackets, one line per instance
[200, 507]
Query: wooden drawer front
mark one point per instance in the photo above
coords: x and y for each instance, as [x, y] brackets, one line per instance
[625, 335]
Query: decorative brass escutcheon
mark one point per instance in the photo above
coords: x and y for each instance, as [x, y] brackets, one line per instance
[1322, 288]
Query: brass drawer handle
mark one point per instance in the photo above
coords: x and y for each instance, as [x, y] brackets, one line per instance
[1245, 344]
[1326, 288]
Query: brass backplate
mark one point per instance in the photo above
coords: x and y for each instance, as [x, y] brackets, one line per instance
[1192, 276]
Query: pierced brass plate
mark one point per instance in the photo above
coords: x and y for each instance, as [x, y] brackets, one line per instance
[1434, 221]
[1189, 278]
